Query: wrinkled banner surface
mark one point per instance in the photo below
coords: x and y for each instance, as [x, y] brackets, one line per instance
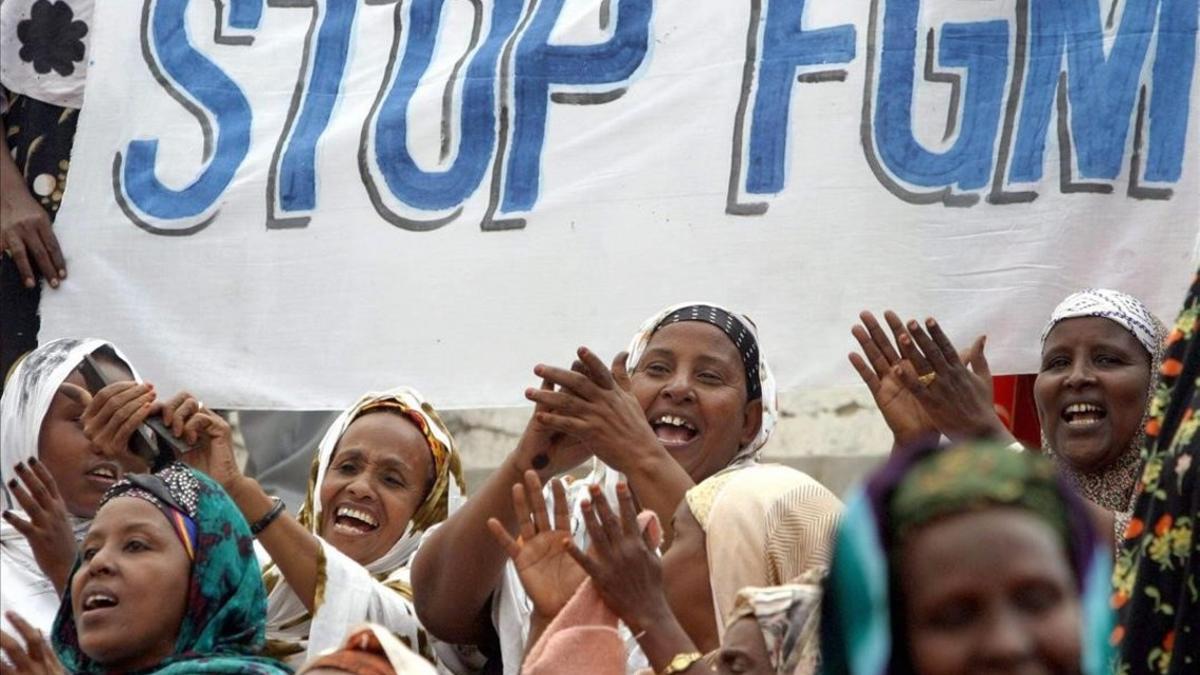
[285, 203]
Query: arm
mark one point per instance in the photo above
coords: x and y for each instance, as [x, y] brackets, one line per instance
[456, 570]
[25, 230]
[295, 550]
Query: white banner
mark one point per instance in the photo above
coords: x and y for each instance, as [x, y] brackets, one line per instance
[284, 204]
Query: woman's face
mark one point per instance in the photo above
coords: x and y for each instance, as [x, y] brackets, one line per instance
[1091, 391]
[130, 592]
[82, 471]
[692, 385]
[381, 471]
[743, 652]
[685, 579]
[968, 610]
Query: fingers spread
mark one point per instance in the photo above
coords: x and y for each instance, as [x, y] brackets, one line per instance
[878, 338]
[866, 373]
[562, 513]
[537, 501]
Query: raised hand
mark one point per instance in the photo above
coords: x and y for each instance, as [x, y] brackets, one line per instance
[957, 398]
[622, 561]
[541, 550]
[48, 528]
[549, 451]
[594, 404]
[900, 408]
[34, 658]
[212, 447]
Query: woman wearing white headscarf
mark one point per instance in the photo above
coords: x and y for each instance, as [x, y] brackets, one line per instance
[51, 435]
[1100, 355]
[386, 470]
[694, 396]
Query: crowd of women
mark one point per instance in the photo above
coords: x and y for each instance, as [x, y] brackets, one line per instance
[634, 527]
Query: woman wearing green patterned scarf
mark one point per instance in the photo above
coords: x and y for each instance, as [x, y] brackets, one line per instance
[166, 583]
[974, 559]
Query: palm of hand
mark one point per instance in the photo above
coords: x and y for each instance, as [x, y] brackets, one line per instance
[548, 572]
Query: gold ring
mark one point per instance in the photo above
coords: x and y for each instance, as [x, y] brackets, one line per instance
[927, 379]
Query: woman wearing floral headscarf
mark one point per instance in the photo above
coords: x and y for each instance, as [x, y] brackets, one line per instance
[693, 397]
[1100, 354]
[386, 470]
[916, 584]
[1156, 583]
[166, 583]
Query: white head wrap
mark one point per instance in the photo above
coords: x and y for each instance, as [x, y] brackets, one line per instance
[1122, 308]
[770, 399]
[27, 395]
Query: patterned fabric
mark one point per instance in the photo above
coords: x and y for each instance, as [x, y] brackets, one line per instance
[856, 621]
[738, 331]
[174, 491]
[40, 136]
[768, 524]
[45, 49]
[789, 618]
[962, 479]
[222, 628]
[1156, 583]
[1113, 486]
[766, 381]
[379, 592]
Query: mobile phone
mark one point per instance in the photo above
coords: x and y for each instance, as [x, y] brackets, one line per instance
[152, 441]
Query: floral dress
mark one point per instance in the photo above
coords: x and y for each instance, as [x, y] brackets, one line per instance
[1156, 583]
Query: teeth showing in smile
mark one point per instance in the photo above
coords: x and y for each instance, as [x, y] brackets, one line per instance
[1083, 414]
[103, 472]
[365, 520]
[99, 601]
[675, 422]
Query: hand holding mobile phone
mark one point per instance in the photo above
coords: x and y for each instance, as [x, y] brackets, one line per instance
[153, 441]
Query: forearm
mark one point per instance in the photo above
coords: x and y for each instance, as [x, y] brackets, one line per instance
[294, 550]
[659, 483]
[12, 183]
[459, 566]
[662, 639]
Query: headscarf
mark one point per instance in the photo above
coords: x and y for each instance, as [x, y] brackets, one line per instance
[1112, 486]
[789, 618]
[371, 649]
[744, 335]
[285, 609]
[767, 524]
[222, 627]
[30, 389]
[1157, 571]
[912, 489]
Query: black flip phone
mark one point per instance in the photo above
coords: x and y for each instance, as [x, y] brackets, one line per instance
[152, 441]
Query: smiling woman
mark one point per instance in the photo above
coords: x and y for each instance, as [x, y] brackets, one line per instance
[386, 470]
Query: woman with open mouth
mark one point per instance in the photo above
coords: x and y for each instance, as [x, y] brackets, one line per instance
[166, 583]
[385, 471]
[1100, 355]
[61, 449]
[692, 397]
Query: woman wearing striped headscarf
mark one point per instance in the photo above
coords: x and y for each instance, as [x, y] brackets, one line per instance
[692, 397]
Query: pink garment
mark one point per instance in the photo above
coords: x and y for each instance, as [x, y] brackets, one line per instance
[583, 638]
